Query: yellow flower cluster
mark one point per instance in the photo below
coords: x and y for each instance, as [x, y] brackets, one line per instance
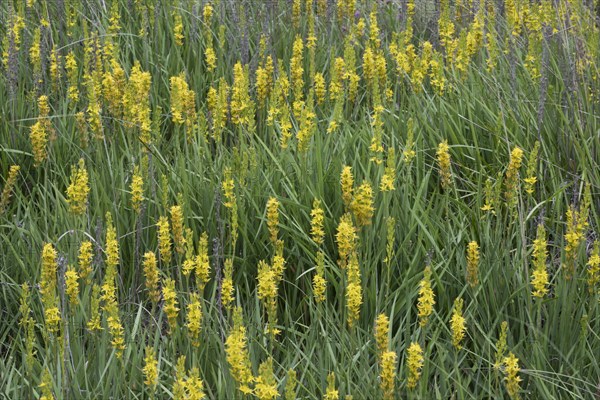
[473, 264]
[362, 204]
[511, 181]
[382, 329]
[48, 284]
[236, 347]
[41, 131]
[183, 102]
[150, 369]
[426, 298]
[78, 190]
[137, 190]
[8, 187]
[151, 276]
[458, 324]
[389, 176]
[512, 379]
[202, 262]
[72, 286]
[164, 239]
[414, 364]
[539, 277]
[331, 393]
[265, 387]
[194, 319]
[136, 102]
[593, 270]
[443, 159]
[353, 290]
[388, 375]
[273, 219]
[347, 182]
[345, 239]
[177, 228]
[170, 305]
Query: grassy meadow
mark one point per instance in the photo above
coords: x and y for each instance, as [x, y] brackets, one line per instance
[299, 199]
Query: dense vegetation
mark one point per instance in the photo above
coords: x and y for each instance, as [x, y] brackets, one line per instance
[307, 199]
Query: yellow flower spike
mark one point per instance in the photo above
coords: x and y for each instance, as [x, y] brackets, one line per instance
[414, 363]
[345, 239]
[46, 385]
[382, 329]
[183, 102]
[202, 262]
[316, 224]
[93, 324]
[227, 289]
[353, 291]
[164, 239]
[320, 89]
[362, 204]
[273, 218]
[194, 319]
[593, 270]
[387, 375]
[426, 298]
[72, 286]
[347, 183]
[236, 348]
[443, 159]
[78, 190]
[170, 303]
[389, 175]
[48, 284]
[136, 102]
[539, 277]
[511, 180]
[8, 187]
[40, 132]
[331, 393]
[266, 384]
[178, 30]
[512, 379]
[458, 324]
[137, 190]
[194, 385]
[473, 264]
[319, 282]
[150, 369]
[531, 178]
[296, 70]
[177, 228]
[151, 275]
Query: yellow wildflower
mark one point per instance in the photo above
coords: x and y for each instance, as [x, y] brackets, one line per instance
[236, 348]
[78, 190]
[345, 238]
[331, 393]
[388, 375]
[443, 158]
[194, 319]
[457, 324]
[178, 30]
[273, 218]
[426, 298]
[382, 329]
[93, 324]
[266, 384]
[170, 305]
[8, 187]
[593, 270]
[414, 362]
[316, 224]
[473, 264]
[151, 275]
[512, 379]
[72, 286]
[501, 345]
[183, 102]
[177, 228]
[150, 369]
[347, 182]
[202, 262]
[164, 239]
[539, 277]
[362, 204]
[511, 180]
[137, 190]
